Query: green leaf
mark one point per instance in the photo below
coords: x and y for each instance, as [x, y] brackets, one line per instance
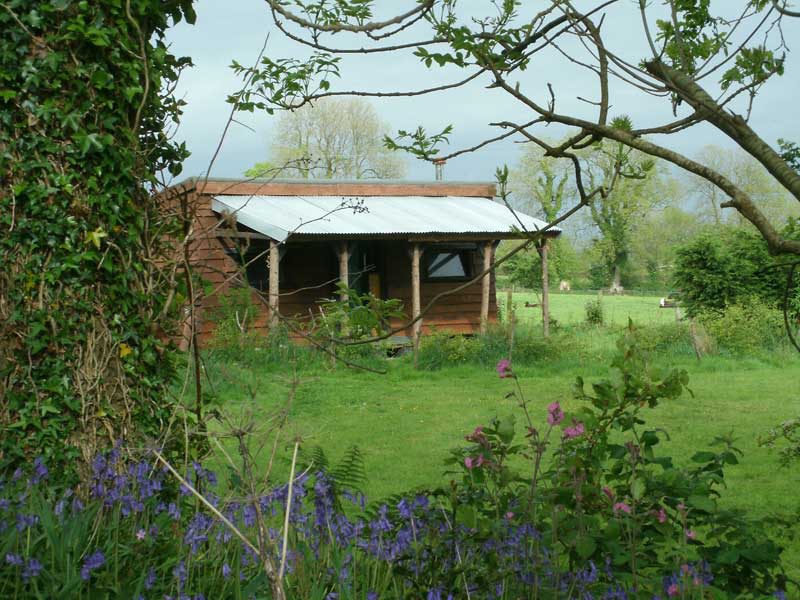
[703, 503]
[585, 546]
[505, 429]
[703, 457]
[638, 488]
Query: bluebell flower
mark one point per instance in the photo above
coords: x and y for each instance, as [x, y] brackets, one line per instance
[92, 563]
[150, 580]
[405, 509]
[226, 570]
[249, 515]
[32, 569]
[14, 559]
[197, 531]
[40, 471]
[26, 521]
[180, 573]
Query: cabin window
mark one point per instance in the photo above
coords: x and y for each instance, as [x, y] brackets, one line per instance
[447, 264]
[254, 261]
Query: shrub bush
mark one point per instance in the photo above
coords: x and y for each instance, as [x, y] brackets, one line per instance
[669, 338]
[748, 327]
[595, 315]
[441, 348]
[728, 266]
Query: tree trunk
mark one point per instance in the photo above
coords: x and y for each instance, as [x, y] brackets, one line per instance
[616, 282]
[545, 290]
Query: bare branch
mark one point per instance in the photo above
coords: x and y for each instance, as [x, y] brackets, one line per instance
[371, 26]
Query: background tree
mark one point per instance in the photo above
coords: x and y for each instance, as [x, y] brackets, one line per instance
[335, 138]
[539, 185]
[748, 175]
[633, 189]
[653, 246]
[706, 66]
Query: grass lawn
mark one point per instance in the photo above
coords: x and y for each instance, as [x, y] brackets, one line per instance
[570, 308]
[406, 420]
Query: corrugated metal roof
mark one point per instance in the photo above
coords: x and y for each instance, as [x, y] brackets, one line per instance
[281, 216]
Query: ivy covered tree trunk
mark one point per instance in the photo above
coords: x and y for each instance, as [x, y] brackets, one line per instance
[84, 101]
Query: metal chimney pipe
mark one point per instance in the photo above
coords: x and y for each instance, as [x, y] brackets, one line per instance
[439, 164]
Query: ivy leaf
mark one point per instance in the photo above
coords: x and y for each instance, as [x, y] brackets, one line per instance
[96, 237]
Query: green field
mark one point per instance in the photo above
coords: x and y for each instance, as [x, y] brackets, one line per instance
[570, 308]
[406, 420]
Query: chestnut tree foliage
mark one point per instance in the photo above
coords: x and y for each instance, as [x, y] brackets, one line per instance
[702, 61]
[86, 107]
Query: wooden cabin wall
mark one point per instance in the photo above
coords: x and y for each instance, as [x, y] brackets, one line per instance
[313, 265]
[459, 313]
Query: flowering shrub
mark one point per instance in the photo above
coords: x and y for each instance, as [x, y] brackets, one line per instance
[593, 486]
[581, 507]
[136, 536]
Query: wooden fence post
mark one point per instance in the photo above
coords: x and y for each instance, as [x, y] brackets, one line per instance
[486, 284]
[416, 303]
[344, 267]
[545, 289]
[274, 282]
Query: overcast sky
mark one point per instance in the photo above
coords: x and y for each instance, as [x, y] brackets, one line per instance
[236, 30]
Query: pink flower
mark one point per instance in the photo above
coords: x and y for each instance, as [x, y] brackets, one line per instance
[661, 515]
[468, 462]
[141, 534]
[691, 534]
[607, 491]
[576, 430]
[477, 436]
[554, 414]
[509, 515]
[480, 461]
[673, 590]
[504, 368]
[622, 507]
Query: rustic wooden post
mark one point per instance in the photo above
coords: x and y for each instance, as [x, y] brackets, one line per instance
[486, 284]
[274, 282]
[416, 303]
[344, 269]
[545, 290]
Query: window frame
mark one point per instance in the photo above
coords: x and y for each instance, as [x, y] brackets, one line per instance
[465, 253]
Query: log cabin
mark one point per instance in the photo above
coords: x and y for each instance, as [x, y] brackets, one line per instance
[291, 241]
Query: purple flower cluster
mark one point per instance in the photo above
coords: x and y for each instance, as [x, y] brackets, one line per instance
[93, 562]
[413, 537]
[30, 567]
[126, 486]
